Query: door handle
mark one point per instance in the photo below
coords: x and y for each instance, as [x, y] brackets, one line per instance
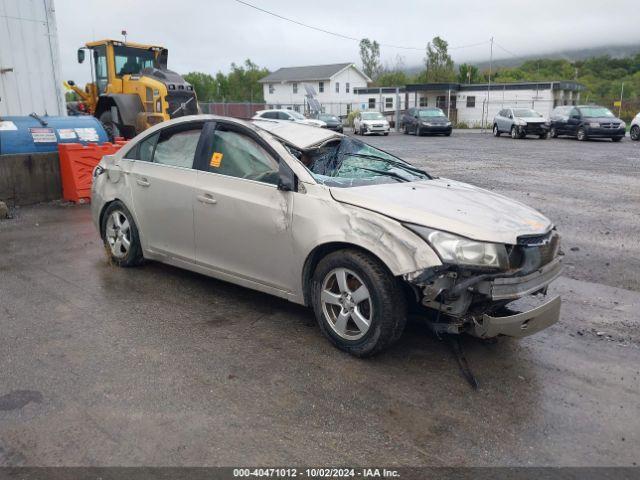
[143, 182]
[207, 198]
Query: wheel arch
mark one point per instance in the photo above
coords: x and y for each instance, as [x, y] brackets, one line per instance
[321, 251]
[128, 106]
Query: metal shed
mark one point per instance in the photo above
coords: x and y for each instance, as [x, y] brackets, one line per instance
[30, 79]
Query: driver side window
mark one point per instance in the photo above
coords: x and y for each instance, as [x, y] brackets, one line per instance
[238, 155]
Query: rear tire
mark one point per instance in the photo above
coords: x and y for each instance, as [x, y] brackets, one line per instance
[375, 317]
[544, 136]
[120, 236]
[634, 133]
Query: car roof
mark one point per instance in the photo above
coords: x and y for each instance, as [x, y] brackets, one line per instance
[297, 135]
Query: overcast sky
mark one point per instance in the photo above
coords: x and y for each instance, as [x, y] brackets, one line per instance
[208, 35]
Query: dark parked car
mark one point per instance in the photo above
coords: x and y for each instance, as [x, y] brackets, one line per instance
[425, 120]
[333, 122]
[586, 121]
[520, 122]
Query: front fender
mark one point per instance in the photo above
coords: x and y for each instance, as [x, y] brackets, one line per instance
[320, 220]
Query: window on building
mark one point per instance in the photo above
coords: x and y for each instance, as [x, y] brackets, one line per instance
[296, 108]
[271, 89]
[337, 87]
[320, 87]
[424, 102]
[346, 87]
[471, 102]
[372, 103]
[441, 101]
[295, 88]
[348, 107]
[388, 102]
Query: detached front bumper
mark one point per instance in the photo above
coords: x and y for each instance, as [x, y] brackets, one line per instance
[519, 324]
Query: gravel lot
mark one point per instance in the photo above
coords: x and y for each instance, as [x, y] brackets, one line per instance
[158, 366]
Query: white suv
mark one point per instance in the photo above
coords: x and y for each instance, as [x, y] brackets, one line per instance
[287, 116]
[634, 133]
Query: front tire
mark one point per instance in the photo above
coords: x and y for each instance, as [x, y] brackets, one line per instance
[544, 136]
[616, 139]
[514, 133]
[360, 307]
[582, 134]
[496, 132]
[634, 133]
[120, 236]
[553, 133]
[110, 127]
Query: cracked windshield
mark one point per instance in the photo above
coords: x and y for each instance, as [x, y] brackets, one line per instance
[350, 163]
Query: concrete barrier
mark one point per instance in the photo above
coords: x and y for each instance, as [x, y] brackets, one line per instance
[26, 179]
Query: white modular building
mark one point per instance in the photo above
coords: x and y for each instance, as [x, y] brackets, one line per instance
[476, 104]
[30, 80]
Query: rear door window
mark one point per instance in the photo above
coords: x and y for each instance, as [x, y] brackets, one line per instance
[236, 154]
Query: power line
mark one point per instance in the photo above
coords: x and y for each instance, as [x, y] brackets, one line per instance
[346, 37]
[505, 50]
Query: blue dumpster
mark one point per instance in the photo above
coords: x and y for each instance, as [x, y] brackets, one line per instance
[33, 134]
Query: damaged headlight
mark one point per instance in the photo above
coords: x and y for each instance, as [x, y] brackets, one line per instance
[463, 251]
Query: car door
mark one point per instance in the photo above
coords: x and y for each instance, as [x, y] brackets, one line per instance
[163, 190]
[573, 121]
[242, 220]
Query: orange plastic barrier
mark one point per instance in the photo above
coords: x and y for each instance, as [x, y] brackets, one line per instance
[77, 162]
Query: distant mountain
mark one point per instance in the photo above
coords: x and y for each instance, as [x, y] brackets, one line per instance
[615, 51]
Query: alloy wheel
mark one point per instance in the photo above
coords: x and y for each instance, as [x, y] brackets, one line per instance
[496, 132]
[635, 133]
[118, 234]
[346, 304]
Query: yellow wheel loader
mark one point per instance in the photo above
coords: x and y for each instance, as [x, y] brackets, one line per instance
[131, 87]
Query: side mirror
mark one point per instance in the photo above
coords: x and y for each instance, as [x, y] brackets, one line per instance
[287, 181]
[511, 116]
[80, 55]
[71, 83]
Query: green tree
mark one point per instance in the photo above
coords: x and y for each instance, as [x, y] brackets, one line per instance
[241, 84]
[438, 62]
[370, 57]
[468, 74]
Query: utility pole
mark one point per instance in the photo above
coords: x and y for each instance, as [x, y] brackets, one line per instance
[489, 84]
[621, 92]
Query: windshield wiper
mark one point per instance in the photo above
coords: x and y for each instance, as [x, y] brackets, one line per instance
[403, 165]
[383, 172]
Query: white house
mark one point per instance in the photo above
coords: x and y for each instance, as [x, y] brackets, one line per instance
[333, 84]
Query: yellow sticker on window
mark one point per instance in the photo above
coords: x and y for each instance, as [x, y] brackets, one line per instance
[216, 159]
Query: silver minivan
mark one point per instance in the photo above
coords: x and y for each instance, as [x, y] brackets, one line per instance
[325, 220]
[520, 122]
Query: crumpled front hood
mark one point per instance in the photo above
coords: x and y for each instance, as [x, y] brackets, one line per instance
[452, 206]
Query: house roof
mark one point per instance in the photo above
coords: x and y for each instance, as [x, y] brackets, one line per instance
[313, 72]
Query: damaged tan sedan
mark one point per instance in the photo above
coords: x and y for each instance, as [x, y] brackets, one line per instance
[327, 221]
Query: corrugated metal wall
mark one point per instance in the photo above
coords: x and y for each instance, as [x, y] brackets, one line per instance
[30, 78]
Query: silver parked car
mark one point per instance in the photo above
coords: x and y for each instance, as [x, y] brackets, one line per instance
[327, 221]
[520, 122]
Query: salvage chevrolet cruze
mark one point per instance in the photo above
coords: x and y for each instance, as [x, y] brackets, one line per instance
[327, 221]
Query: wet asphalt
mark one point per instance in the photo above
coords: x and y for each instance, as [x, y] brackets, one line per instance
[159, 366]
